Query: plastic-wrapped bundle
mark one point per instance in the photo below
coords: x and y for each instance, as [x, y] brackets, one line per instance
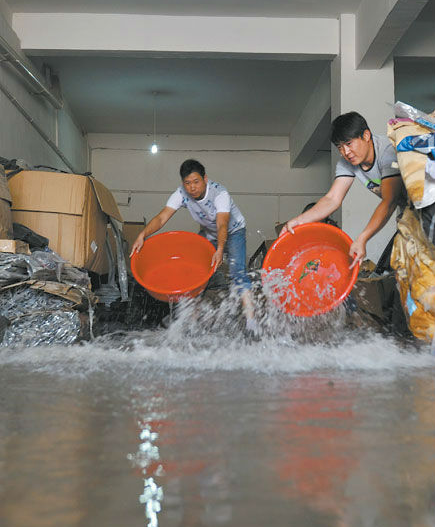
[13, 269]
[37, 318]
[412, 134]
[406, 111]
[40, 265]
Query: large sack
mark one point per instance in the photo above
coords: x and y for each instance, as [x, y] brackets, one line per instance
[412, 163]
[413, 259]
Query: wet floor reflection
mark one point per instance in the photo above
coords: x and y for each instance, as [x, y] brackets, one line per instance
[315, 443]
[147, 460]
[161, 448]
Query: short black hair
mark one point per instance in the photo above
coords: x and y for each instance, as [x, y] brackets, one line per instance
[348, 126]
[189, 166]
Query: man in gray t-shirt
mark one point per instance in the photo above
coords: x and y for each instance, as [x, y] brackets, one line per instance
[368, 157]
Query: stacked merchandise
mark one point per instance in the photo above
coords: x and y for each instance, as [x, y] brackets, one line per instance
[413, 256]
[43, 300]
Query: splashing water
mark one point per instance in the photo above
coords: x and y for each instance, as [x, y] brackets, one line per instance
[207, 333]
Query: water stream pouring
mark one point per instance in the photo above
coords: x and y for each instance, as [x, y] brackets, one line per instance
[307, 272]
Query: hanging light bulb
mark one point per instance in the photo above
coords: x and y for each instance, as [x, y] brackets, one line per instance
[154, 146]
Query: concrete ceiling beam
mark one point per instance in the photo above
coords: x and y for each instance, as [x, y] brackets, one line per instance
[312, 128]
[380, 24]
[79, 32]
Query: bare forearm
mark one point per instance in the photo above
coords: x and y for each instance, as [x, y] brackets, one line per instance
[153, 226]
[222, 235]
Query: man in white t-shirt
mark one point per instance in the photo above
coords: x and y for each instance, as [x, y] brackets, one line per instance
[368, 157]
[210, 204]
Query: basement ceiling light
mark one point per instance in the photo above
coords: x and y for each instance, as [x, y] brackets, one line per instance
[154, 147]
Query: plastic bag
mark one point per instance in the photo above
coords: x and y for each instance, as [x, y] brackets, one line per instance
[407, 111]
[40, 265]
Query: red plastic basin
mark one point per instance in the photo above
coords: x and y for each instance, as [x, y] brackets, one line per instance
[173, 265]
[315, 274]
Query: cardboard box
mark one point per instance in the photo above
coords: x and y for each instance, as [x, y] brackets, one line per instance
[374, 295]
[14, 246]
[70, 210]
[130, 231]
[6, 231]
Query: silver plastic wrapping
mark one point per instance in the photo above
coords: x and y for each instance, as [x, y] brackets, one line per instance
[37, 318]
[40, 265]
[108, 293]
[406, 111]
[122, 266]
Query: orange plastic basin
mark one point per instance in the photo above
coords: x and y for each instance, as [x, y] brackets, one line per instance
[314, 263]
[173, 265]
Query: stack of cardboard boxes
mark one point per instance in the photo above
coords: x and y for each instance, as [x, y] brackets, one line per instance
[71, 210]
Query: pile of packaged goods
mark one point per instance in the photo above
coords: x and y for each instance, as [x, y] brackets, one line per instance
[43, 300]
[412, 133]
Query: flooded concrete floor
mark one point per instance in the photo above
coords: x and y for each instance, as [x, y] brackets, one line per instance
[98, 437]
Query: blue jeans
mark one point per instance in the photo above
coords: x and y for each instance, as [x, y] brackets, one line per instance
[235, 248]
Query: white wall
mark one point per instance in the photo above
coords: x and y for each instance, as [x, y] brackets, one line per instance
[18, 138]
[255, 170]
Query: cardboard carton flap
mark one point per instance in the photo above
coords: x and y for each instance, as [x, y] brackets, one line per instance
[106, 200]
[48, 192]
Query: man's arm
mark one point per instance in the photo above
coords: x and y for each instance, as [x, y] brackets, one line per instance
[326, 205]
[153, 226]
[391, 189]
[222, 220]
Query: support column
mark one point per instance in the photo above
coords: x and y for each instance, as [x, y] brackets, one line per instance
[370, 93]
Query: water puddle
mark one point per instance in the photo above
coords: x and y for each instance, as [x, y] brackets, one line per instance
[321, 422]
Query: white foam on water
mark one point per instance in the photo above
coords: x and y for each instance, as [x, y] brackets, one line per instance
[140, 352]
[210, 338]
[171, 350]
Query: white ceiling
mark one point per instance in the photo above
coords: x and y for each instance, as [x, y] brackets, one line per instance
[194, 96]
[266, 8]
